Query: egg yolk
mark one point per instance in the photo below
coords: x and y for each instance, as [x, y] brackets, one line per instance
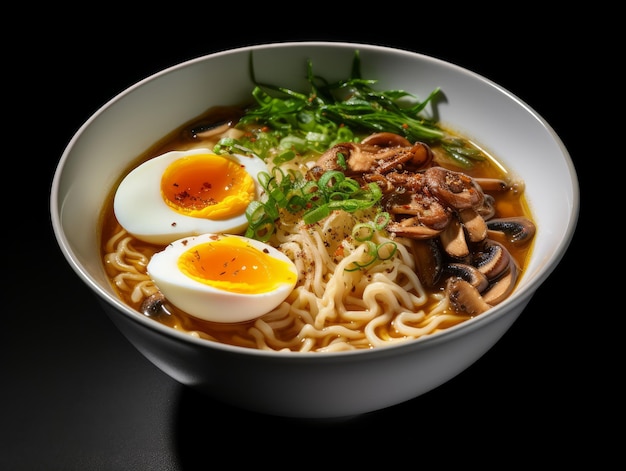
[207, 186]
[234, 265]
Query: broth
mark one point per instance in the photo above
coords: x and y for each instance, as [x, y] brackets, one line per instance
[287, 328]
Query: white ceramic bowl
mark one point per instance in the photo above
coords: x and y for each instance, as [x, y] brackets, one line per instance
[311, 385]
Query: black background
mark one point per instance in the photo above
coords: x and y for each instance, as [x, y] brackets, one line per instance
[74, 394]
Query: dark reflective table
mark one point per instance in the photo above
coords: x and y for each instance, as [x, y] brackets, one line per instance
[75, 394]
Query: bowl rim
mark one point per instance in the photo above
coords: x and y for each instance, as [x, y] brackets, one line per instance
[521, 295]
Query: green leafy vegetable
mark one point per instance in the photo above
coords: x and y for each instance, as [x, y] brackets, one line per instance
[334, 112]
[314, 199]
[331, 112]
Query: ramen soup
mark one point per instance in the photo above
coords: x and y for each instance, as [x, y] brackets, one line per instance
[387, 238]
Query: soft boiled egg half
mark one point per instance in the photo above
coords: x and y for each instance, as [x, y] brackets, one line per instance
[223, 278]
[185, 193]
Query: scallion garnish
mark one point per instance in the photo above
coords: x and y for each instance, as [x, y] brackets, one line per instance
[315, 200]
[364, 233]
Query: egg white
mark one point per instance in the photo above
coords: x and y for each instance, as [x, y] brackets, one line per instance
[140, 209]
[208, 302]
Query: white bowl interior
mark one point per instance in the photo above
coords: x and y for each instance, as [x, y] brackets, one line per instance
[131, 122]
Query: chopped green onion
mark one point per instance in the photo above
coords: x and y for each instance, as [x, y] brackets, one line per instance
[363, 231]
[284, 157]
[372, 251]
[381, 220]
[341, 161]
[314, 199]
[386, 250]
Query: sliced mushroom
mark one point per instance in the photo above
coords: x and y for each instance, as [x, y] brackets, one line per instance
[427, 209]
[453, 240]
[428, 260]
[386, 186]
[468, 273]
[455, 188]
[517, 229]
[492, 260]
[491, 184]
[386, 139]
[411, 227]
[153, 305]
[409, 181]
[502, 288]
[416, 157]
[474, 224]
[422, 155]
[358, 158]
[329, 160]
[464, 298]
